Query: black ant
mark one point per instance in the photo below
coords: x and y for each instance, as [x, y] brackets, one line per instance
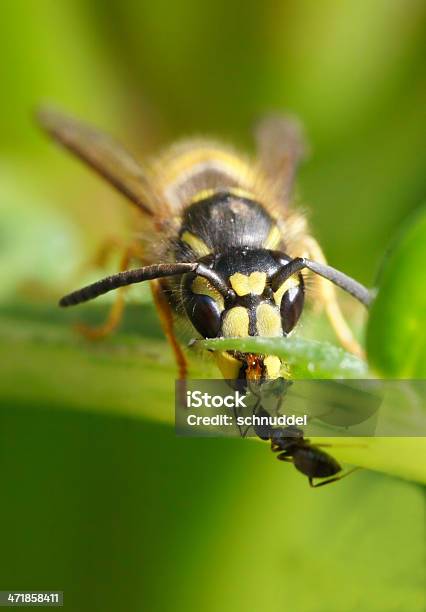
[308, 458]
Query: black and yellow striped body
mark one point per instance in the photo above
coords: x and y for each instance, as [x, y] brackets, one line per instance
[222, 221]
[215, 235]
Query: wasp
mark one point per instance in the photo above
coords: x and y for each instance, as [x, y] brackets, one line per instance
[222, 245]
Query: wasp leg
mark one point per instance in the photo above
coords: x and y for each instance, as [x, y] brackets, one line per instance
[100, 258]
[167, 324]
[332, 308]
[114, 318]
[115, 314]
[330, 480]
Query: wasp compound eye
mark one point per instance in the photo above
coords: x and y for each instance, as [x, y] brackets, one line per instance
[291, 307]
[205, 314]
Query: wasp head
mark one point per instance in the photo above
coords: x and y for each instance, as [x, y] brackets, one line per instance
[239, 300]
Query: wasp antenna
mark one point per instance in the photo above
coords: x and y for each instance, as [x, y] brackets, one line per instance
[216, 281]
[129, 277]
[348, 284]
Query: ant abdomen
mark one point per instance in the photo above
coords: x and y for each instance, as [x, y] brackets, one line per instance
[315, 463]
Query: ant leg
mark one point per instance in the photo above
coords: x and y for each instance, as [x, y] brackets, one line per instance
[284, 456]
[330, 480]
[275, 446]
[240, 429]
[244, 433]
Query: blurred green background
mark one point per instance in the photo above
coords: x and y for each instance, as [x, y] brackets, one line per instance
[99, 498]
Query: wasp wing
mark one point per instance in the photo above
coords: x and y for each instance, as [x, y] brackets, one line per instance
[281, 147]
[100, 152]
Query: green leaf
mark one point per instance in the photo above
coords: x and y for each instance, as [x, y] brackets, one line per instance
[46, 365]
[396, 336]
[306, 358]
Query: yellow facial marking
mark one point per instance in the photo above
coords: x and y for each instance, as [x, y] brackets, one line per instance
[243, 284]
[201, 286]
[228, 365]
[273, 366]
[273, 239]
[268, 321]
[197, 245]
[236, 323]
[293, 281]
